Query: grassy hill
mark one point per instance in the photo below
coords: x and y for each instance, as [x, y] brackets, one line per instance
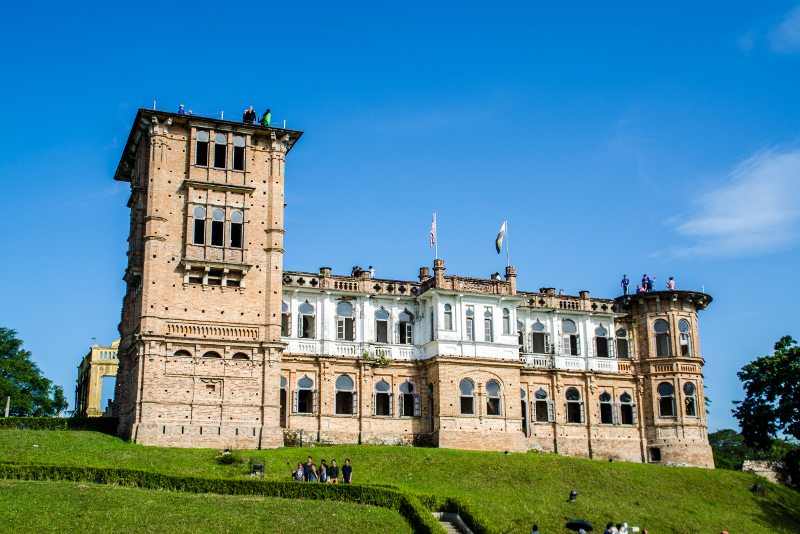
[511, 491]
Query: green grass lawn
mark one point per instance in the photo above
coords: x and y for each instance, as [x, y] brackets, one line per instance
[511, 490]
[69, 507]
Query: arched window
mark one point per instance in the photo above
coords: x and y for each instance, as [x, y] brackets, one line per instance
[544, 410]
[622, 343]
[199, 231]
[240, 356]
[305, 323]
[470, 323]
[686, 337]
[493, 405]
[201, 151]
[383, 399]
[211, 354]
[406, 323]
[506, 321]
[345, 326]
[237, 227]
[183, 354]
[283, 382]
[574, 406]
[572, 341]
[689, 392]
[238, 153]
[448, 317]
[602, 347]
[539, 339]
[382, 326]
[666, 400]
[487, 325]
[409, 400]
[661, 329]
[606, 409]
[305, 397]
[346, 396]
[627, 409]
[217, 227]
[467, 389]
[220, 150]
[286, 320]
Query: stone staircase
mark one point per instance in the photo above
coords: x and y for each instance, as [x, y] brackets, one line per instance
[452, 523]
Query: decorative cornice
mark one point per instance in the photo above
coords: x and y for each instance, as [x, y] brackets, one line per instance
[216, 186]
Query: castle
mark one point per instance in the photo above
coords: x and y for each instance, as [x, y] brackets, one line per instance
[220, 347]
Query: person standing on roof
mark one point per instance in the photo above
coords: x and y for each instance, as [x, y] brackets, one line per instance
[372, 271]
[181, 111]
[625, 283]
[671, 284]
[651, 284]
[266, 118]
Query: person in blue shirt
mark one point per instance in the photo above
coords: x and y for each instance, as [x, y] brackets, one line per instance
[650, 284]
[625, 283]
[181, 111]
[535, 529]
[645, 278]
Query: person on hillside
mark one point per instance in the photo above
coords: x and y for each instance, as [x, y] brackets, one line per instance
[266, 118]
[313, 476]
[671, 284]
[625, 283]
[535, 529]
[299, 474]
[347, 472]
[333, 473]
[608, 528]
[307, 467]
[323, 472]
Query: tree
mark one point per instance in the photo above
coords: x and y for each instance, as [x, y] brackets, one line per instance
[22, 380]
[772, 401]
[730, 449]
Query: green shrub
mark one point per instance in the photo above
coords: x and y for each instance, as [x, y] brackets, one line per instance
[474, 519]
[106, 425]
[407, 504]
[230, 459]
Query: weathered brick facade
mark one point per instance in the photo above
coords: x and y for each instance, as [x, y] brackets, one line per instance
[222, 348]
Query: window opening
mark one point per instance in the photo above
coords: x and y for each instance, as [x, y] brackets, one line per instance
[467, 397]
[666, 400]
[574, 406]
[237, 227]
[286, 320]
[240, 356]
[304, 396]
[487, 325]
[409, 401]
[211, 354]
[199, 237]
[543, 409]
[606, 411]
[622, 343]
[217, 227]
[470, 324]
[382, 399]
[655, 454]
[521, 335]
[382, 326]
[431, 311]
[506, 321]
[627, 409]
[493, 406]
[345, 326]
[601, 342]
[406, 323]
[345, 396]
[571, 339]
[201, 150]
[538, 338]
[691, 405]
[448, 317]
[661, 328]
[238, 153]
[686, 345]
[215, 277]
[233, 280]
[523, 409]
[305, 324]
[220, 150]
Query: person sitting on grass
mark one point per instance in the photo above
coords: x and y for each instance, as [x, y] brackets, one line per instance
[347, 472]
[299, 474]
[333, 473]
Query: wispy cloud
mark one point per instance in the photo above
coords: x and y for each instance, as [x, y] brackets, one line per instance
[756, 210]
[786, 37]
[747, 41]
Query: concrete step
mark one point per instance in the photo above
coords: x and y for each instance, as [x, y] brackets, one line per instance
[449, 527]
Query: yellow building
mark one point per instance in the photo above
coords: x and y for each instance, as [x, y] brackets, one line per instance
[99, 363]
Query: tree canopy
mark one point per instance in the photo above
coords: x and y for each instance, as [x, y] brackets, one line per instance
[730, 450]
[772, 399]
[32, 395]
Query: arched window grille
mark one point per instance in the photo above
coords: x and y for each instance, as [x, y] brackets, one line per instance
[603, 347]
[409, 400]
[544, 409]
[666, 400]
[607, 412]
[304, 397]
[661, 329]
[628, 413]
[305, 322]
[493, 404]
[572, 341]
[467, 389]
[217, 227]
[240, 356]
[575, 410]
[383, 399]
[540, 340]
[211, 354]
[470, 323]
[183, 353]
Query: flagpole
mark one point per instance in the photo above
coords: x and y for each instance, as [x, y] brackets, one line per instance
[435, 236]
[507, 261]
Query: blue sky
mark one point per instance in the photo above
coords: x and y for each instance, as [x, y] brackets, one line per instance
[616, 140]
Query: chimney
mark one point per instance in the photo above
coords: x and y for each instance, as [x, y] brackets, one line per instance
[424, 274]
[325, 271]
[511, 278]
[584, 294]
[438, 272]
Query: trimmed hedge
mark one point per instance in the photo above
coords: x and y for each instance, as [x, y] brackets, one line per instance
[106, 425]
[473, 518]
[407, 504]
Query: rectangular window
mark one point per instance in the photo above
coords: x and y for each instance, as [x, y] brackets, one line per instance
[344, 328]
[236, 235]
[571, 345]
[382, 331]
[506, 325]
[666, 407]
[622, 348]
[606, 417]
[199, 237]
[306, 326]
[655, 454]
[220, 151]
[492, 406]
[405, 334]
[383, 405]
[467, 407]
[238, 158]
[217, 233]
[431, 310]
[626, 412]
[305, 401]
[215, 278]
[286, 325]
[574, 412]
[448, 320]
[407, 405]
[470, 334]
[344, 403]
[602, 347]
[662, 344]
[685, 345]
[201, 153]
[487, 330]
[690, 407]
[538, 343]
[541, 411]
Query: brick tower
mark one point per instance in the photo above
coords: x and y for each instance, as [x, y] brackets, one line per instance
[200, 350]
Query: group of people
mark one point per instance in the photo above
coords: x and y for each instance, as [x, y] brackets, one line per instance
[308, 472]
[610, 529]
[249, 117]
[358, 271]
[647, 284]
